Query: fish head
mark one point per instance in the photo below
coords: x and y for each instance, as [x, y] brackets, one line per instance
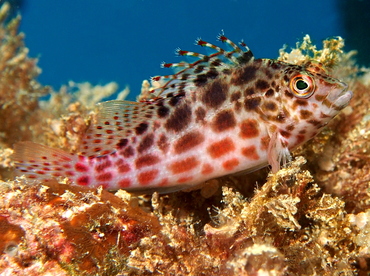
[310, 99]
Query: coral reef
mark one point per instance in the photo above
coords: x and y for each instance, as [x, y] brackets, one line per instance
[310, 218]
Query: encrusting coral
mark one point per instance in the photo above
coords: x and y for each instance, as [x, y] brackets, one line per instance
[310, 218]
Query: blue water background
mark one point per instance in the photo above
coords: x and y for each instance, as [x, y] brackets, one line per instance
[126, 40]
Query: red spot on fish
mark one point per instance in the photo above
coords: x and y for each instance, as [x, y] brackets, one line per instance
[83, 180]
[40, 172]
[250, 152]
[124, 168]
[124, 183]
[184, 165]
[222, 147]
[249, 129]
[285, 134]
[70, 173]
[230, 164]
[81, 167]
[67, 166]
[265, 143]
[104, 177]
[97, 141]
[56, 174]
[184, 179]
[164, 182]
[146, 160]
[109, 131]
[146, 177]
[300, 139]
[207, 169]
[103, 165]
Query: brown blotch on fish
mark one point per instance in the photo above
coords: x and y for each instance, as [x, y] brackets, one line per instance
[319, 98]
[122, 143]
[269, 93]
[327, 103]
[188, 141]
[146, 143]
[270, 106]
[163, 143]
[244, 75]
[162, 111]
[248, 92]
[215, 94]
[290, 127]
[262, 85]
[315, 123]
[200, 113]
[300, 102]
[235, 96]
[202, 79]
[176, 99]
[141, 128]
[238, 107]
[223, 121]
[179, 119]
[285, 134]
[128, 152]
[252, 103]
[305, 114]
[268, 73]
[288, 94]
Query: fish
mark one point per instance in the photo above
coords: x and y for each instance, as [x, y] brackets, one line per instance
[221, 113]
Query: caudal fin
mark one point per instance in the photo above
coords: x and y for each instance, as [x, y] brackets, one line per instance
[41, 162]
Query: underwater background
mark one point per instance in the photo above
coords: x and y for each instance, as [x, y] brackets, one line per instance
[125, 41]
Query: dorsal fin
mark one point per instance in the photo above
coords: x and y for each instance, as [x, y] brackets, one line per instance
[189, 76]
[113, 121]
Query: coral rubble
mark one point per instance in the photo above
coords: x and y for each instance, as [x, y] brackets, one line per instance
[310, 218]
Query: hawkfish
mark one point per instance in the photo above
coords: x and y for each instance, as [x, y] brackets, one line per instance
[222, 113]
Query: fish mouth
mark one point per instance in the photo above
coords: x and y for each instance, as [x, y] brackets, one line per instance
[344, 97]
[341, 96]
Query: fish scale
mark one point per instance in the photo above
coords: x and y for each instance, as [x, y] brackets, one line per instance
[224, 113]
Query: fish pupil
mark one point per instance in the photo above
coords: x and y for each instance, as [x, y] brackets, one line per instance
[301, 85]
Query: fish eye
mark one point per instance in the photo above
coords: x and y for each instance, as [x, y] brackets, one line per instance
[302, 86]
